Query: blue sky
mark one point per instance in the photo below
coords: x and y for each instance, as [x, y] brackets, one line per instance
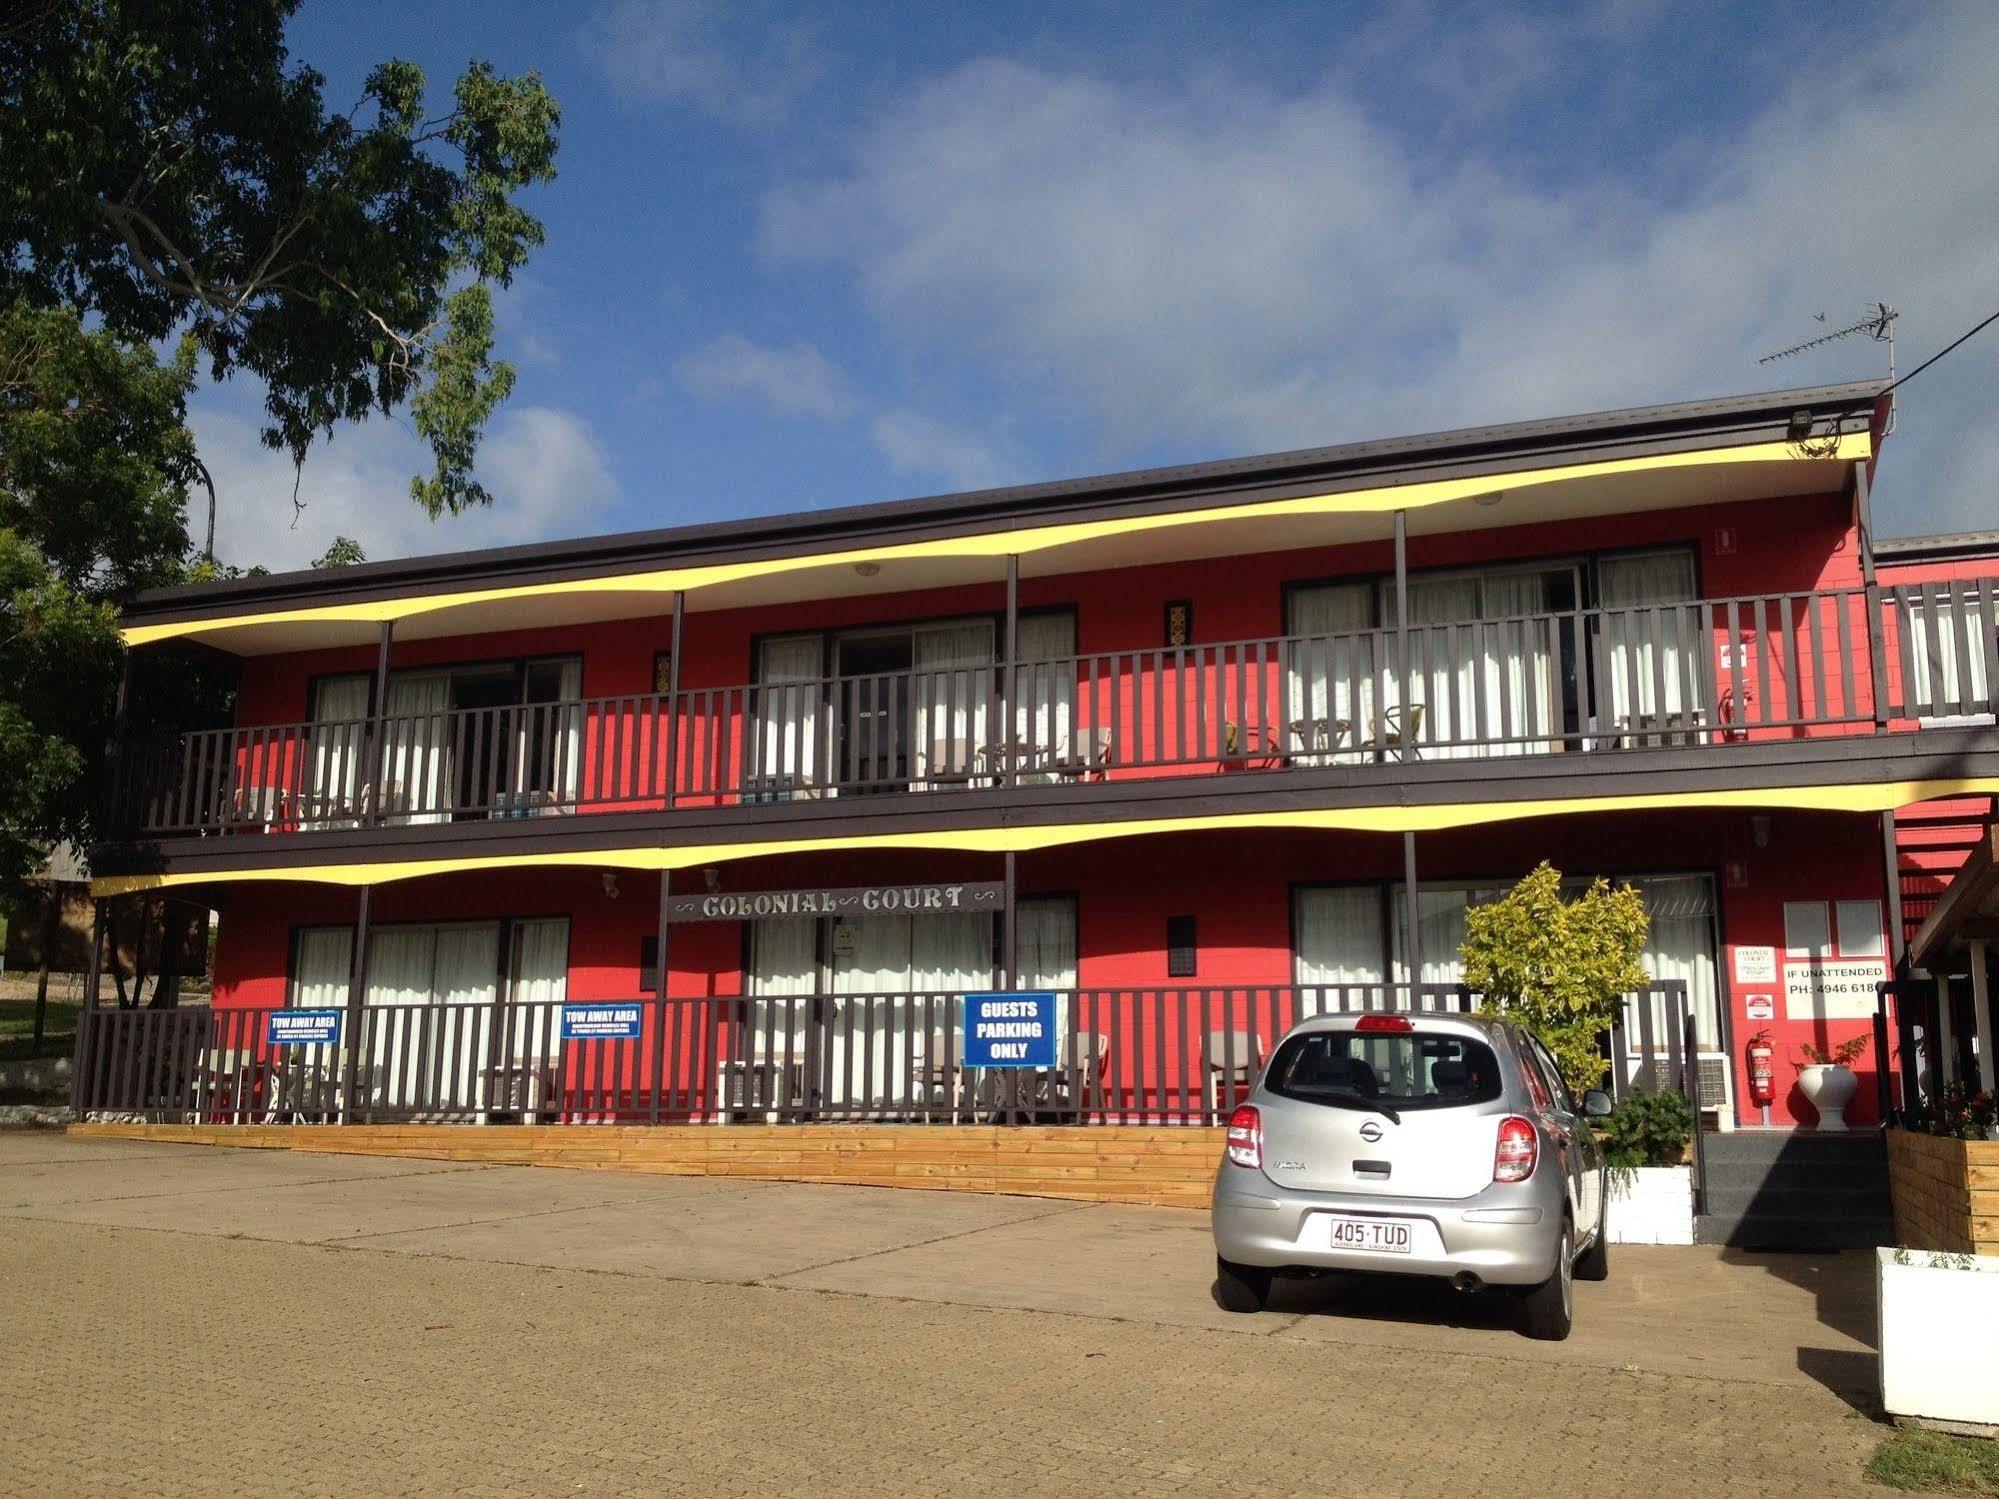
[819, 254]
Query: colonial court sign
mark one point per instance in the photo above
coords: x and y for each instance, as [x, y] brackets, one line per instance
[1009, 1030]
[302, 1028]
[905, 900]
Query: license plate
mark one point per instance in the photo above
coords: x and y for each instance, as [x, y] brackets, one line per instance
[1380, 1236]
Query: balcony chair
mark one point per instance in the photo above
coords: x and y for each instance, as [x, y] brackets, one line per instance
[1083, 754]
[1398, 729]
[1231, 1060]
[1079, 1076]
[939, 1073]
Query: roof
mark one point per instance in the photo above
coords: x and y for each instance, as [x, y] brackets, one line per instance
[1954, 546]
[1384, 462]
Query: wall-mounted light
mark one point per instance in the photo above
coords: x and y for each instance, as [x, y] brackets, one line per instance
[1759, 830]
[867, 569]
[610, 884]
[712, 878]
[1800, 426]
[1489, 500]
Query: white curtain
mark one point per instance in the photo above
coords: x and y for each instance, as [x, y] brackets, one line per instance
[784, 964]
[418, 741]
[1045, 693]
[467, 978]
[1442, 914]
[548, 744]
[1044, 943]
[539, 984]
[788, 717]
[949, 694]
[1951, 677]
[1338, 942]
[1329, 671]
[1435, 686]
[437, 1058]
[1637, 663]
[1679, 944]
[339, 736]
[1517, 658]
[320, 975]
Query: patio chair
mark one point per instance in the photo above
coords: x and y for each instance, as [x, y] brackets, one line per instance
[939, 1074]
[1082, 754]
[1399, 729]
[1231, 1060]
[1079, 1078]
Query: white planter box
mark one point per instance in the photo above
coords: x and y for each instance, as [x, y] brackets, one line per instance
[1939, 1335]
[1652, 1205]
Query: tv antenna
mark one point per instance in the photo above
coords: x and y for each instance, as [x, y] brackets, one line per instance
[1878, 324]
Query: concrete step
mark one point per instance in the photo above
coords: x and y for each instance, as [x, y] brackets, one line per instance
[1778, 1231]
[1794, 1145]
[1831, 1204]
[1834, 1176]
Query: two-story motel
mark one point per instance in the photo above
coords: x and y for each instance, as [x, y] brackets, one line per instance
[1198, 749]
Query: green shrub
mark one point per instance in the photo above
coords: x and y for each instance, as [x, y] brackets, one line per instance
[1647, 1129]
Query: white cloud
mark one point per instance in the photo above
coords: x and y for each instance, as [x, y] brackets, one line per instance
[915, 443]
[794, 381]
[677, 52]
[1214, 268]
[543, 466]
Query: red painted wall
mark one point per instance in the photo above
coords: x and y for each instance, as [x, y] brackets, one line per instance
[1238, 885]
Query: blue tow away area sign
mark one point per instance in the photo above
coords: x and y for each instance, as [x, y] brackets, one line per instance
[601, 1022]
[302, 1028]
[1010, 1030]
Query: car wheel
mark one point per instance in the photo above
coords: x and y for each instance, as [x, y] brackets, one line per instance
[1549, 1308]
[1241, 1288]
[1595, 1262]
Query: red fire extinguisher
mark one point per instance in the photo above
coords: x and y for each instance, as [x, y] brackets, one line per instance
[1762, 1087]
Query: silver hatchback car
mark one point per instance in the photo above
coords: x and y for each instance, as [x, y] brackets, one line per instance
[1414, 1144]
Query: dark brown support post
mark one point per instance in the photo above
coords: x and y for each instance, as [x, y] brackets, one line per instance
[665, 894]
[1010, 653]
[1877, 644]
[357, 999]
[377, 751]
[114, 750]
[1892, 868]
[672, 751]
[1413, 947]
[1008, 935]
[83, 1066]
[1404, 721]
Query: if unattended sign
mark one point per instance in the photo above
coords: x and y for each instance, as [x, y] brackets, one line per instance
[1010, 1030]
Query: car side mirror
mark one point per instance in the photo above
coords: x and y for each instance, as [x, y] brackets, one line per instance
[1596, 1104]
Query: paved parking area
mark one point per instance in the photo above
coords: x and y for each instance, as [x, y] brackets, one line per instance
[180, 1319]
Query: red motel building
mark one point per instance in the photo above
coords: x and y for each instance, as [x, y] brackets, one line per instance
[1199, 750]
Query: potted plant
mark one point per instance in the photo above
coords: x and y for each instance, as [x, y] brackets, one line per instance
[1827, 1080]
[1939, 1334]
[1645, 1141]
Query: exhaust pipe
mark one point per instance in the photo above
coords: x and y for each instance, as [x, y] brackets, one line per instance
[1464, 1280]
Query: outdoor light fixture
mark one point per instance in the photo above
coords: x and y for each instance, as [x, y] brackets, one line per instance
[867, 569]
[610, 884]
[1759, 830]
[712, 878]
[1489, 500]
[1801, 426]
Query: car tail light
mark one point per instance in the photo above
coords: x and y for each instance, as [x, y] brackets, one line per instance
[1374, 1024]
[1246, 1136]
[1519, 1145]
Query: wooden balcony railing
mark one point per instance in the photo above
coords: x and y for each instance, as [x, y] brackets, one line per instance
[1124, 1056]
[1705, 673]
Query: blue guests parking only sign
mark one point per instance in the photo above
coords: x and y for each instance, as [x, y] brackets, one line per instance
[1010, 1030]
[607, 1022]
[302, 1028]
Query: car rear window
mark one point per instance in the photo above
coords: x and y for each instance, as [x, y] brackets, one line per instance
[1403, 1069]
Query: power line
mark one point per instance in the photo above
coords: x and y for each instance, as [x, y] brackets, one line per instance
[1943, 351]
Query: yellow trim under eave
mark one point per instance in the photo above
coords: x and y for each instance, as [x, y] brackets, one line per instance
[1874, 797]
[1853, 445]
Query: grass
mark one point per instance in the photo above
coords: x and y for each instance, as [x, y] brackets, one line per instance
[1930, 1462]
[17, 1027]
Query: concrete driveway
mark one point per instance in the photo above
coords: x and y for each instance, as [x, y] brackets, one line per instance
[1778, 1342]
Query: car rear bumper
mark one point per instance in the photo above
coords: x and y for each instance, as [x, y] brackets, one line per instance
[1506, 1235]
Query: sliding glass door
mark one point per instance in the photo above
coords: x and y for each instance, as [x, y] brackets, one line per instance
[1655, 656]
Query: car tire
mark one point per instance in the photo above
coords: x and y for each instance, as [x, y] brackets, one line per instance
[1241, 1288]
[1548, 1310]
[1595, 1261]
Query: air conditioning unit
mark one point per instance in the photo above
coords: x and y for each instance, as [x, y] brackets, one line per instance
[1717, 1079]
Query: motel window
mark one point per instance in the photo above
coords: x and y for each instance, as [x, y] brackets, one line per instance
[1807, 929]
[892, 953]
[1860, 931]
[1948, 631]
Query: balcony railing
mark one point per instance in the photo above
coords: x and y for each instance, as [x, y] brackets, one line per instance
[1124, 1056]
[1593, 681]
